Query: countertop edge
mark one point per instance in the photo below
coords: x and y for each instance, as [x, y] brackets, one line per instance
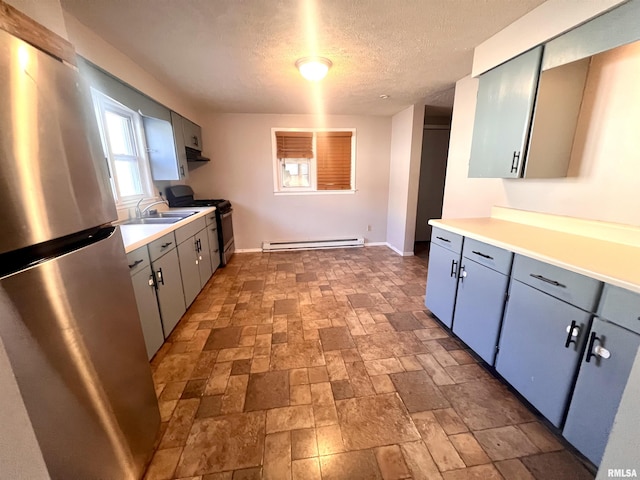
[606, 277]
[145, 234]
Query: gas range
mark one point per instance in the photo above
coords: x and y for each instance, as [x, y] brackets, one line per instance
[182, 196]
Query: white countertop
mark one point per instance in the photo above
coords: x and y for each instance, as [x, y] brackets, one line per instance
[610, 262]
[136, 236]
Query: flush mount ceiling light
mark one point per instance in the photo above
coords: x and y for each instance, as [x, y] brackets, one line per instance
[313, 68]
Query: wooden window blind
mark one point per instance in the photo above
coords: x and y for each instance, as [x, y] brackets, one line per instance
[295, 144]
[334, 160]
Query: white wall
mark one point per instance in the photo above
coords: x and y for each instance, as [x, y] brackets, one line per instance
[106, 56]
[404, 177]
[241, 169]
[605, 178]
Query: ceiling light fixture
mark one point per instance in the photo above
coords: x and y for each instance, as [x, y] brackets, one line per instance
[313, 68]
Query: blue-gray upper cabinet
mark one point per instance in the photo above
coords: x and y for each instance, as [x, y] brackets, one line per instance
[442, 274]
[543, 337]
[506, 96]
[177, 123]
[482, 289]
[192, 134]
[604, 372]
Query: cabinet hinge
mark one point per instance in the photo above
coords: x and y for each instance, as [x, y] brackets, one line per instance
[506, 297]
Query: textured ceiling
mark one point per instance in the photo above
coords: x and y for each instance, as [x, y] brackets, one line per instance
[239, 55]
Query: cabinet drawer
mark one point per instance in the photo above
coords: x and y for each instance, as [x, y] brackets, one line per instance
[446, 239]
[495, 258]
[211, 218]
[159, 247]
[190, 229]
[571, 287]
[620, 306]
[138, 259]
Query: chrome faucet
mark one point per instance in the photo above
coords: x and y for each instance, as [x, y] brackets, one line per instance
[140, 213]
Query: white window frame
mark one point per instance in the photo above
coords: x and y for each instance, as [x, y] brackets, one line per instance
[102, 103]
[279, 189]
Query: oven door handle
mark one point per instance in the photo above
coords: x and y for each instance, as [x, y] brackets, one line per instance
[225, 215]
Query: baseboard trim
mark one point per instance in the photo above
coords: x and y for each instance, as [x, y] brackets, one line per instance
[370, 244]
[248, 250]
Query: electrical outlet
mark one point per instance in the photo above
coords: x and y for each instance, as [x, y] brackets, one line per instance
[368, 228]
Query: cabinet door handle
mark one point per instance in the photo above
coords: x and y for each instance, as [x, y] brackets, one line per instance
[547, 280]
[152, 281]
[182, 170]
[214, 229]
[444, 239]
[598, 350]
[454, 269]
[159, 276]
[216, 250]
[165, 245]
[135, 264]
[195, 140]
[463, 274]
[482, 255]
[572, 331]
[515, 162]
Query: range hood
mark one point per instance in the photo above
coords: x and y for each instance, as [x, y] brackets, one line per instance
[194, 155]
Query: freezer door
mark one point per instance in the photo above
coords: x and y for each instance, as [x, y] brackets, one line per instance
[74, 341]
[53, 177]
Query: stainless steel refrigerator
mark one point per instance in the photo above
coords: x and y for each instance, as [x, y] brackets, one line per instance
[68, 317]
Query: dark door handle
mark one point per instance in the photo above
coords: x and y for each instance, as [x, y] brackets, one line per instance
[165, 245]
[482, 255]
[159, 276]
[515, 162]
[570, 335]
[592, 339]
[444, 239]
[454, 269]
[135, 264]
[547, 280]
[182, 170]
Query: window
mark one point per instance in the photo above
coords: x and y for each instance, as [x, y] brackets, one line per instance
[313, 160]
[124, 147]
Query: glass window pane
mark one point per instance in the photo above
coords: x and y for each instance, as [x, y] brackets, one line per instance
[128, 178]
[295, 173]
[120, 134]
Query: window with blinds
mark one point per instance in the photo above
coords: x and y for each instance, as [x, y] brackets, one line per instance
[313, 160]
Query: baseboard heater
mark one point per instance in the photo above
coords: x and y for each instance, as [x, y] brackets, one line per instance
[313, 244]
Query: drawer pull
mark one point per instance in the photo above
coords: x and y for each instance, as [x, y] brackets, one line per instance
[483, 255]
[135, 264]
[546, 280]
[165, 245]
[444, 239]
[572, 331]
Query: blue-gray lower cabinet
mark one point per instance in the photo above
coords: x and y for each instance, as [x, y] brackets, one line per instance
[145, 292]
[170, 293]
[442, 282]
[535, 355]
[479, 308]
[599, 388]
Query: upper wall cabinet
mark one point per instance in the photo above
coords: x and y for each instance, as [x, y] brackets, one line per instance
[506, 96]
[192, 134]
[528, 108]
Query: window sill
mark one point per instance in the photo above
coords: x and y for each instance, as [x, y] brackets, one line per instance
[316, 192]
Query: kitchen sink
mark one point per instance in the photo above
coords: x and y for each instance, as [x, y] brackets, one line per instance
[159, 218]
[152, 220]
[180, 215]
